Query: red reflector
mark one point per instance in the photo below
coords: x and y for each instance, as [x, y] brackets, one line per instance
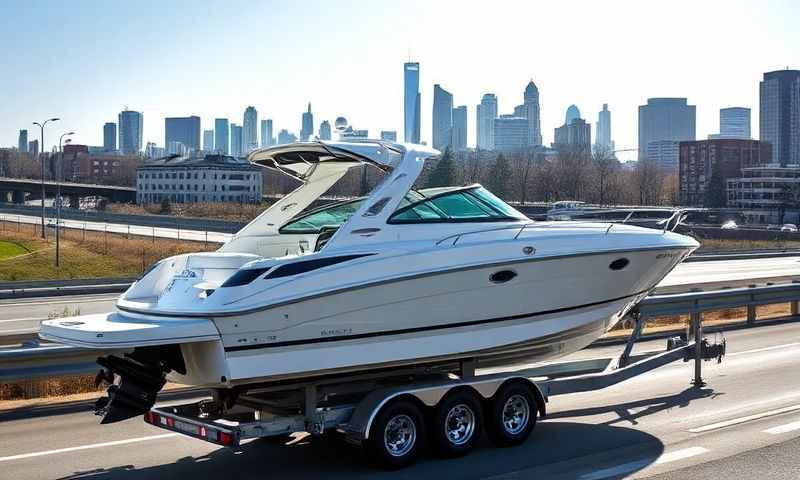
[225, 438]
[148, 417]
[170, 422]
[202, 431]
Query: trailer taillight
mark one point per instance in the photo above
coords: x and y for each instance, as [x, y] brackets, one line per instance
[170, 422]
[202, 432]
[225, 438]
[150, 418]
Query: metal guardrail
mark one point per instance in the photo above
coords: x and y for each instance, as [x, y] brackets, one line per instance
[41, 288]
[24, 363]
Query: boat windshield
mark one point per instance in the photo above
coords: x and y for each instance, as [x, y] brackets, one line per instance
[472, 204]
[334, 215]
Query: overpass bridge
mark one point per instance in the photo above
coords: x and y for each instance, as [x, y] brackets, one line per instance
[17, 190]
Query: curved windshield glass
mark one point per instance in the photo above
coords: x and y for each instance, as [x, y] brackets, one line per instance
[475, 204]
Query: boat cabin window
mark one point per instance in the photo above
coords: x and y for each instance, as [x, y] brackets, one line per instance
[462, 205]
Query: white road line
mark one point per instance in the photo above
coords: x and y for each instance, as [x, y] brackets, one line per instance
[637, 465]
[11, 320]
[765, 349]
[87, 447]
[786, 428]
[681, 454]
[735, 421]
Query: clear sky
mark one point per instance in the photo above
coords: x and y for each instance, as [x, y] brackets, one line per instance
[85, 60]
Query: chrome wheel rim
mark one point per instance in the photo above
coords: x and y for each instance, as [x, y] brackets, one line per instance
[516, 414]
[400, 435]
[459, 425]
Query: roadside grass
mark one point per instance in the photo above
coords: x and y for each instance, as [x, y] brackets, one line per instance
[14, 249]
[86, 254]
[709, 245]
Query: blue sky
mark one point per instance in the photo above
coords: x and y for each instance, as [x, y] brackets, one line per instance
[85, 60]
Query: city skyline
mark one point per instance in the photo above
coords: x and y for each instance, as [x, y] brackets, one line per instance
[85, 102]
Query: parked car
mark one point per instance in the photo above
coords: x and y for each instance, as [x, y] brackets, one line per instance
[773, 227]
[789, 227]
[729, 225]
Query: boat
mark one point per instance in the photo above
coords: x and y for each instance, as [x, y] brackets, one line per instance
[399, 278]
[566, 209]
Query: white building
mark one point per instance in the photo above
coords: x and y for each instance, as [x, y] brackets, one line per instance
[213, 178]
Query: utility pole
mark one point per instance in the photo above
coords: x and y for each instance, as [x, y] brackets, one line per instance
[41, 153]
[59, 168]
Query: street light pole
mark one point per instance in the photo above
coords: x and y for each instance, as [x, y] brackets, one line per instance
[59, 169]
[41, 154]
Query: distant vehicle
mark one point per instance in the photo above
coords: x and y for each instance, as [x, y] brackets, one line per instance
[789, 227]
[773, 227]
[567, 209]
[729, 225]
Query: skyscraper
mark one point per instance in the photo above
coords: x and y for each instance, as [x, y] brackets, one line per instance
[307, 125]
[459, 130]
[734, 122]
[131, 125]
[573, 112]
[284, 137]
[411, 102]
[575, 136]
[325, 130]
[531, 103]
[603, 129]
[22, 143]
[250, 130]
[236, 140]
[208, 140]
[33, 148]
[665, 119]
[486, 113]
[266, 133]
[221, 130]
[184, 130]
[510, 133]
[779, 115]
[442, 118]
[109, 136]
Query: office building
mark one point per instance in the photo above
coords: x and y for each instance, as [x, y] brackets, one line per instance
[704, 162]
[110, 137]
[532, 113]
[221, 136]
[486, 113]
[307, 125]
[442, 121]
[284, 137]
[22, 142]
[266, 133]
[183, 130]
[575, 136]
[665, 119]
[411, 103]
[154, 151]
[603, 130]
[510, 133]
[779, 115]
[208, 141]
[734, 122]
[249, 130]
[389, 135]
[212, 178]
[459, 129]
[237, 141]
[33, 148]
[325, 130]
[665, 154]
[131, 125]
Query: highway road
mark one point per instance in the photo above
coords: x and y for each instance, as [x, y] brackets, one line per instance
[744, 424]
[18, 316]
[145, 231]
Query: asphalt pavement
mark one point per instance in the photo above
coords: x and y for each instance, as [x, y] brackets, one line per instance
[744, 423]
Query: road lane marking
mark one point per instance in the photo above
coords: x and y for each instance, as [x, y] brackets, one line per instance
[786, 428]
[735, 421]
[87, 447]
[111, 297]
[764, 349]
[681, 454]
[637, 465]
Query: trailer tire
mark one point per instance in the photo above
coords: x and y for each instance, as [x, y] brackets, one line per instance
[456, 423]
[396, 436]
[512, 415]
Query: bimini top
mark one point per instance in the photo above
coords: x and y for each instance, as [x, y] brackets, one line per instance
[299, 159]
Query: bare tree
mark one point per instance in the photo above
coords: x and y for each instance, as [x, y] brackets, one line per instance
[604, 164]
[522, 165]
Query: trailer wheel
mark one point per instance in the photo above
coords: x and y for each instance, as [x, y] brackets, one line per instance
[512, 415]
[396, 436]
[456, 423]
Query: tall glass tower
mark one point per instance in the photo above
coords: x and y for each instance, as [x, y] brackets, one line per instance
[531, 107]
[779, 115]
[442, 118]
[250, 130]
[130, 131]
[411, 102]
[486, 113]
[221, 129]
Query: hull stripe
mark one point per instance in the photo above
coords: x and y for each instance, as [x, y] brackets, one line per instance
[339, 338]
